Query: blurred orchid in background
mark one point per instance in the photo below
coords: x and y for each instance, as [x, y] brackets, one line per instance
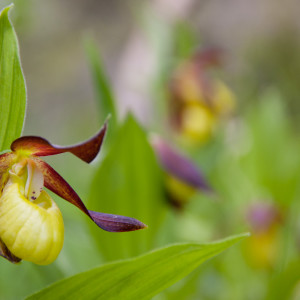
[262, 248]
[31, 224]
[182, 177]
[198, 101]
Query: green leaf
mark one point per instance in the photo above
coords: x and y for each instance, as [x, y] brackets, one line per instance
[139, 278]
[284, 284]
[102, 87]
[12, 84]
[128, 182]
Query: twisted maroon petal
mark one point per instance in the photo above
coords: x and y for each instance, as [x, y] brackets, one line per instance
[39, 146]
[55, 183]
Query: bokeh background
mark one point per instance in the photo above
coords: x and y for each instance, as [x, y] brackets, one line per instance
[251, 158]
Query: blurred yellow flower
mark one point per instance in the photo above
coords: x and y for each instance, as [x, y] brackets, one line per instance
[261, 248]
[198, 101]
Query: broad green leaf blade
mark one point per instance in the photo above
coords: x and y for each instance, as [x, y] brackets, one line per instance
[102, 87]
[12, 84]
[139, 278]
[128, 182]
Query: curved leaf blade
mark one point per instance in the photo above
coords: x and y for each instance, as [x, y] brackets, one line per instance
[12, 84]
[139, 278]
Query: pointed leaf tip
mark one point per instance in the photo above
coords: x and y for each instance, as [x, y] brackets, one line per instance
[116, 223]
[141, 277]
[6, 9]
[39, 146]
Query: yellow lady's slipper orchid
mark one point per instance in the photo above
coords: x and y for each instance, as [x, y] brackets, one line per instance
[198, 101]
[31, 224]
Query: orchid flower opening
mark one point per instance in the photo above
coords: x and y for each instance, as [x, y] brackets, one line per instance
[31, 224]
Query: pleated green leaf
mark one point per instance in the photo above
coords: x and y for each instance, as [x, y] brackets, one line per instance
[12, 84]
[139, 278]
[128, 182]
